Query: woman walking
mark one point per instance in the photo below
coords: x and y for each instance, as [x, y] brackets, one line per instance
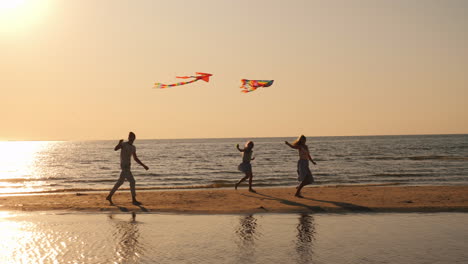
[304, 174]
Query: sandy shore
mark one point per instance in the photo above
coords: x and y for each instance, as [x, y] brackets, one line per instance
[276, 200]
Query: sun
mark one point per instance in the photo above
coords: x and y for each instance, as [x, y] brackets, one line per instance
[7, 6]
[20, 14]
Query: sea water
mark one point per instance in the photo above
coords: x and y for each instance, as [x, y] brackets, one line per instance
[212, 163]
[257, 238]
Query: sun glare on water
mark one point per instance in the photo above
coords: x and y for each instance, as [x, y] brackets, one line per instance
[20, 164]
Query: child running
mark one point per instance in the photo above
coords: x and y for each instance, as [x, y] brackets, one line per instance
[304, 174]
[245, 166]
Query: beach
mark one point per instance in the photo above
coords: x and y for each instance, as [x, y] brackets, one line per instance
[317, 199]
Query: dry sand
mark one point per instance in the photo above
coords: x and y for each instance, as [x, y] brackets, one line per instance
[275, 200]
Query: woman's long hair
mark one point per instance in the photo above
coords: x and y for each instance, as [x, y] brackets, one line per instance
[246, 146]
[299, 141]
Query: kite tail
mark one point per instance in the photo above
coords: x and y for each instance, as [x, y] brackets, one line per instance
[200, 76]
[248, 89]
[186, 77]
[163, 86]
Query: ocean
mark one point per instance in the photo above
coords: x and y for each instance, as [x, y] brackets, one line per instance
[72, 166]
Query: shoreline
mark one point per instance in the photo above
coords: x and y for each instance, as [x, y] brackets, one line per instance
[188, 188]
[317, 199]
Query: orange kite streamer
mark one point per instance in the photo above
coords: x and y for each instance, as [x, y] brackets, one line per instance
[199, 76]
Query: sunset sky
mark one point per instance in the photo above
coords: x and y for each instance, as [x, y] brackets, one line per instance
[78, 70]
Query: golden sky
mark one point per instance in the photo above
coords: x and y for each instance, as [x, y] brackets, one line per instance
[73, 70]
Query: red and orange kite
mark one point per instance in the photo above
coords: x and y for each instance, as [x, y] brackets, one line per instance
[199, 76]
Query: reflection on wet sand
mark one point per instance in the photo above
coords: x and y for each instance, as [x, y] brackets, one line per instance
[305, 238]
[247, 235]
[126, 235]
[261, 238]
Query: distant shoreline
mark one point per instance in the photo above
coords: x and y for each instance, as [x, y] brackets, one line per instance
[325, 199]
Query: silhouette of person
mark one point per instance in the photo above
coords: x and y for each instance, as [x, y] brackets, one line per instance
[127, 150]
[245, 166]
[304, 174]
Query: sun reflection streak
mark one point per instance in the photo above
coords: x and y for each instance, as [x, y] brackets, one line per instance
[14, 234]
[20, 165]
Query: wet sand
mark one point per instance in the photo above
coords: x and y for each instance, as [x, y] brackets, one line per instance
[275, 200]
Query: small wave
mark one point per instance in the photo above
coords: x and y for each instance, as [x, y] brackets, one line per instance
[361, 184]
[323, 174]
[11, 187]
[92, 161]
[19, 180]
[228, 172]
[221, 181]
[434, 157]
[89, 181]
[385, 158]
[397, 175]
[151, 174]
[170, 179]
[143, 174]
[55, 178]
[60, 191]
[270, 178]
[184, 187]
[215, 185]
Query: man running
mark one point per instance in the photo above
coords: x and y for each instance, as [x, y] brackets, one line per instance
[127, 150]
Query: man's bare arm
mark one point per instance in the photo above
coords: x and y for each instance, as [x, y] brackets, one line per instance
[119, 146]
[139, 161]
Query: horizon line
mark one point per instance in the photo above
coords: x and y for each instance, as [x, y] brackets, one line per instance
[240, 137]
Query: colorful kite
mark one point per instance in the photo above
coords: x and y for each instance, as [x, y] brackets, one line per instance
[252, 85]
[199, 76]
